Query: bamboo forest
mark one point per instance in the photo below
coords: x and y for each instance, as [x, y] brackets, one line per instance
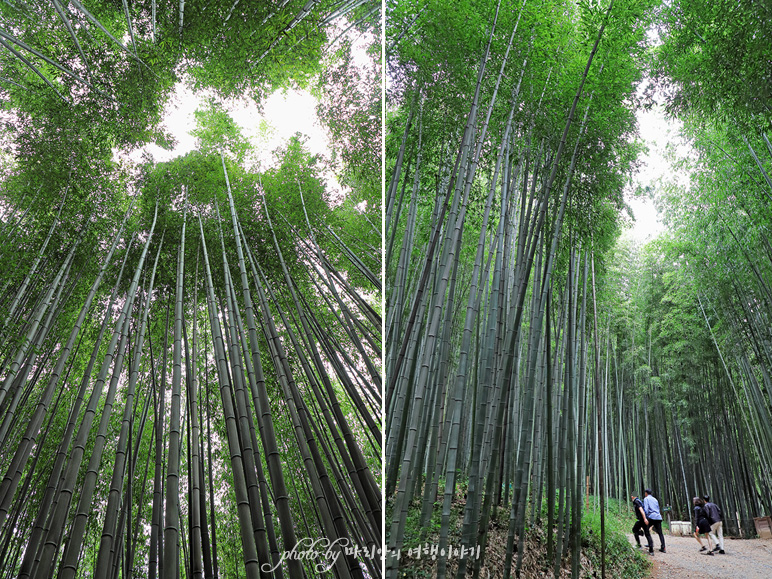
[510, 274]
[541, 366]
[190, 372]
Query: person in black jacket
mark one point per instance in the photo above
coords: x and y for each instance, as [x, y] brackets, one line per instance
[642, 523]
[703, 525]
[716, 524]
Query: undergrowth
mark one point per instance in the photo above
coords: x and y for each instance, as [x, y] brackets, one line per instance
[622, 560]
[416, 560]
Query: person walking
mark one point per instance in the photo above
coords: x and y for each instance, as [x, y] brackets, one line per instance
[702, 523]
[715, 519]
[641, 524]
[651, 508]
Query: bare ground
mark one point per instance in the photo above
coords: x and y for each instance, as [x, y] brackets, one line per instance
[744, 559]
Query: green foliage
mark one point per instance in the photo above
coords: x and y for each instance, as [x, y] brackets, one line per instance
[254, 49]
[350, 106]
[429, 63]
[714, 61]
[217, 132]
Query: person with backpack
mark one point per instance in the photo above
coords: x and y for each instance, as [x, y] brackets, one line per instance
[715, 519]
[641, 524]
[703, 526]
[651, 508]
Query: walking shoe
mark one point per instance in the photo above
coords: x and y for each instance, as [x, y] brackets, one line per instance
[703, 548]
[716, 548]
[721, 552]
[662, 550]
[709, 553]
[651, 553]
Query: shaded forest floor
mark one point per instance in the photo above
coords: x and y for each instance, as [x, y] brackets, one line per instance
[746, 558]
[416, 560]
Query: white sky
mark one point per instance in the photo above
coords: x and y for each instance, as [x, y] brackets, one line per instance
[657, 132]
[284, 114]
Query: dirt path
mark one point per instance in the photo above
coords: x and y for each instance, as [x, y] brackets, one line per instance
[744, 559]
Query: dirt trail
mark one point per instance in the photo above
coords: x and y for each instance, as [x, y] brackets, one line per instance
[744, 559]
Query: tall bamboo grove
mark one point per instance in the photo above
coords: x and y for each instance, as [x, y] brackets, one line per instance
[509, 143]
[190, 380]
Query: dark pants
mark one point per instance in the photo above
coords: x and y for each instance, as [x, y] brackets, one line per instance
[657, 527]
[638, 527]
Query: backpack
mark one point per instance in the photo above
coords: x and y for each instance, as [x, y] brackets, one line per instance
[636, 504]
